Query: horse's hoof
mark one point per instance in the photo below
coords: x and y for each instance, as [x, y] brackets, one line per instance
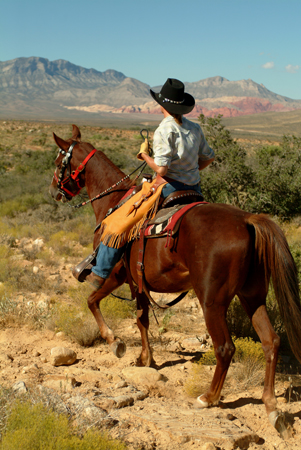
[118, 348]
[277, 419]
[201, 403]
[149, 362]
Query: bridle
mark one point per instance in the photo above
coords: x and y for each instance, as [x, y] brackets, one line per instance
[70, 185]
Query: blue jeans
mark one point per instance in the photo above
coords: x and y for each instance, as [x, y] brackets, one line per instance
[106, 259]
[173, 186]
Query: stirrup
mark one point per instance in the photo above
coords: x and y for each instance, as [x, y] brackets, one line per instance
[84, 268]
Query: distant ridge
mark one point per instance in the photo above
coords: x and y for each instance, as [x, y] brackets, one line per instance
[34, 86]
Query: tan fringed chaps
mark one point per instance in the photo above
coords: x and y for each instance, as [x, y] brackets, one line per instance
[125, 223]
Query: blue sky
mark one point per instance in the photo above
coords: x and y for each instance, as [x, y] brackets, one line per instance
[156, 39]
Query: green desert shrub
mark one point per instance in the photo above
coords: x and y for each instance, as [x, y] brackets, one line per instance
[5, 253]
[208, 358]
[36, 427]
[229, 179]
[22, 204]
[265, 180]
[114, 308]
[247, 349]
[278, 178]
[64, 243]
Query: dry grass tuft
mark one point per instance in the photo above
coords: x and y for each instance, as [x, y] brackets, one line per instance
[247, 374]
[21, 313]
[198, 381]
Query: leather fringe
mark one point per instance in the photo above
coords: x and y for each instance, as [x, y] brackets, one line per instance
[115, 240]
[135, 230]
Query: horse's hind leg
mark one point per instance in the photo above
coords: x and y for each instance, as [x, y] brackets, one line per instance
[215, 318]
[116, 279]
[270, 342]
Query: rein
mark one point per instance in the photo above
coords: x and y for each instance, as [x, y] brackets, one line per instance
[79, 205]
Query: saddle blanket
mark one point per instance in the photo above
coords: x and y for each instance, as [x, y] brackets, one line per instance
[168, 222]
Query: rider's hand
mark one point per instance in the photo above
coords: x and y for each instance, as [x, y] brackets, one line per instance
[144, 148]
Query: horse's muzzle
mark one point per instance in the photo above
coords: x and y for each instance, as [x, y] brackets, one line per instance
[56, 194]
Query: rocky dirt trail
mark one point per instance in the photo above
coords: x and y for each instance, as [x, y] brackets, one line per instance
[147, 408]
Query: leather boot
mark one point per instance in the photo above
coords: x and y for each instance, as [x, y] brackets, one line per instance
[95, 281]
[84, 268]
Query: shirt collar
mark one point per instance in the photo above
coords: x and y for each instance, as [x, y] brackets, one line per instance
[171, 119]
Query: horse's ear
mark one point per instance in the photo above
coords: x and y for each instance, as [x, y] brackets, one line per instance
[61, 143]
[76, 135]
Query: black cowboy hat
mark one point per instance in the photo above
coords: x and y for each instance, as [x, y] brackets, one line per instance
[173, 98]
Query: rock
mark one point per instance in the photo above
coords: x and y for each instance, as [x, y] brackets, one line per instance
[35, 269]
[86, 408]
[60, 335]
[142, 375]
[19, 387]
[83, 375]
[121, 384]
[106, 403]
[139, 395]
[174, 347]
[208, 446]
[59, 383]
[123, 400]
[192, 343]
[62, 356]
[38, 244]
[30, 368]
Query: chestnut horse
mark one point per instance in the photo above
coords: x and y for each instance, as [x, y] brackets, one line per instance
[221, 252]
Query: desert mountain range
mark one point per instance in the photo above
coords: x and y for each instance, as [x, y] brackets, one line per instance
[35, 86]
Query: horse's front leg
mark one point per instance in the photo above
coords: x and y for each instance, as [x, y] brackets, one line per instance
[116, 279]
[146, 357]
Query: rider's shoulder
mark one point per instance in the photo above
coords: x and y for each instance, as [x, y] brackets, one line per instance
[190, 125]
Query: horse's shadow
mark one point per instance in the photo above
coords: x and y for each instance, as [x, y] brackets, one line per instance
[196, 357]
[240, 402]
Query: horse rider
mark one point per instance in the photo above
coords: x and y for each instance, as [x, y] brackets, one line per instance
[180, 151]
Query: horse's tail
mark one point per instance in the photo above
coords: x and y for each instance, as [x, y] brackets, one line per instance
[272, 248]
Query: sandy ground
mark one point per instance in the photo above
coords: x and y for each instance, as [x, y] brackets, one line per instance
[164, 416]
